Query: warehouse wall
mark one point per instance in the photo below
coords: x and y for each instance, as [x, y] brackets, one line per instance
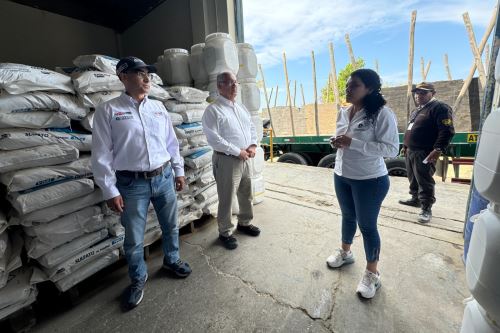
[35, 37]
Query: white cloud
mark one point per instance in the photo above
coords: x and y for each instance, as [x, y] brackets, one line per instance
[299, 26]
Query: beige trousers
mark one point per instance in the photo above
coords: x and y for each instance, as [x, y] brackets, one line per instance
[232, 175]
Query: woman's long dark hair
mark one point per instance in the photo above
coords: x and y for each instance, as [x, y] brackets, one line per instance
[374, 101]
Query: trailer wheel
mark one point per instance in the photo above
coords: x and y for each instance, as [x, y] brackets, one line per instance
[307, 158]
[396, 167]
[293, 158]
[327, 162]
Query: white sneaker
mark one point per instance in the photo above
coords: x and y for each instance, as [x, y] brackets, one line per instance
[369, 284]
[339, 258]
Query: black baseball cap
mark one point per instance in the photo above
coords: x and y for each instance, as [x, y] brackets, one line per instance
[131, 63]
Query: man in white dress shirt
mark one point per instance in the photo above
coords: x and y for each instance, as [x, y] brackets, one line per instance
[231, 133]
[135, 155]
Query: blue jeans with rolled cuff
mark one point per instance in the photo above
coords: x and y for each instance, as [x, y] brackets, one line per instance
[137, 193]
[360, 202]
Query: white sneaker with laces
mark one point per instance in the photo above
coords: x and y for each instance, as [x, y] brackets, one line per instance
[369, 284]
[339, 258]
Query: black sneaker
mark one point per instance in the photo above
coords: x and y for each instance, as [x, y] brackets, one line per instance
[229, 242]
[133, 295]
[249, 230]
[179, 268]
[425, 215]
[411, 202]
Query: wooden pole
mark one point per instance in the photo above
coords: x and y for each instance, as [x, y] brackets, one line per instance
[294, 91]
[475, 50]
[447, 66]
[487, 58]
[349, 47]
[328, 87]
[422, 69]
[276, 97]
[410, 64]
[287, 99]
[303, 97]
[333, 71]
[265, 96]
[468, 80]
[376, 67]
[427, 68]
[270, 96]
[288, 93]
[316, 116]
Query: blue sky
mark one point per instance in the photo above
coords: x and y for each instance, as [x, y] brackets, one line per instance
[379, 29]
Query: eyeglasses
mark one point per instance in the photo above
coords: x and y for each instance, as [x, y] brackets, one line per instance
[142, 75]
[421, 92]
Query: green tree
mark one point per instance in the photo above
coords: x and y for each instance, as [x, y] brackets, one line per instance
[328, 96]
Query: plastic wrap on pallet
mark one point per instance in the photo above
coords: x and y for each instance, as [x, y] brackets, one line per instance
[64, 252]
[43, 101]
[30, 201]
[19, 79]
[81, 141]
[54, 212]
[19, 138]
[20, 180]
[87, 270]
[19, 292]
[68, 227]
[36, 119]
[77, 261]
[176, 106]
[36, 156]
[199, 159]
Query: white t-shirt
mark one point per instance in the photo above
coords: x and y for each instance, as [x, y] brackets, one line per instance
[371, 142]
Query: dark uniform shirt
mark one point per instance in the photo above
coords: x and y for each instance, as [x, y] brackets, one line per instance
[430, 127]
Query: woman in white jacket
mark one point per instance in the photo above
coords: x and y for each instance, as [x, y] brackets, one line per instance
[366, 133]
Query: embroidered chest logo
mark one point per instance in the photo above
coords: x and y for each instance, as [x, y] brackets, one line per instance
[123, 115]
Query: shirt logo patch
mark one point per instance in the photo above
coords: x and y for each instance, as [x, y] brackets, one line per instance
[124, 117]
[447, 122]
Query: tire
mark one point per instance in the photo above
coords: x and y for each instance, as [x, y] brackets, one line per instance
[307, 158]
[292, 158]
[396, 167]
[327, 162]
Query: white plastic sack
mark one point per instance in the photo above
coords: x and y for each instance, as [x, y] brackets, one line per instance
[158, 92]
[176, 106]
[55, 256]
[54, 212]
[81, 141]
[68, 227]
[198, 141]
[199, 159]
[36, 156]
[3, 222]
[92, 81]
[191, 116]
[93, 100]
[36, 119]
[185, 131]
[87, 270]
[19, 292]
[99, 62]
[43, 101]
[176, 118]
[80, 259]
[207, 178]
[188, 150]
[188, 215]
[52, 195]
[184, 200]
[188, 94]
[4, 241]
[18, 138]
[11, 259]
[206, 203]
[88, 122]
[20, 180]
[19, 79]
[208, 193]
[192, 175]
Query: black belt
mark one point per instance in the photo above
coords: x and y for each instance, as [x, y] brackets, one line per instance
[224, 154]
[143, 174]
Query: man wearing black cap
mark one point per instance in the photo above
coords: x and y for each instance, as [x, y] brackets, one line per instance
[136, 161]
[428, 134]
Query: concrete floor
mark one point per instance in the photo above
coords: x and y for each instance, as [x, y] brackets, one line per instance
[279, 282]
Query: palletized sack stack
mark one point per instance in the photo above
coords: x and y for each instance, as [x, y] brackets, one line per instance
[200, 195]
[250, 97]
[48, 186]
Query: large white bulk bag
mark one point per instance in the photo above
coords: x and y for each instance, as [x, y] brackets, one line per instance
[19, 79]
[43, 101]
[36, 156]
[99, 62]
[54, 212]
[18, 138]
[188, 94]
[36, 119]
[20, 180]
[93, 100]
[92, 81]
[58, 255]
[87, 270]
[51, 195]
[81, 141]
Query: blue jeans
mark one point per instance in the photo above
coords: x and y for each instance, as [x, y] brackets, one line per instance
[360, 202]
[137, 194]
